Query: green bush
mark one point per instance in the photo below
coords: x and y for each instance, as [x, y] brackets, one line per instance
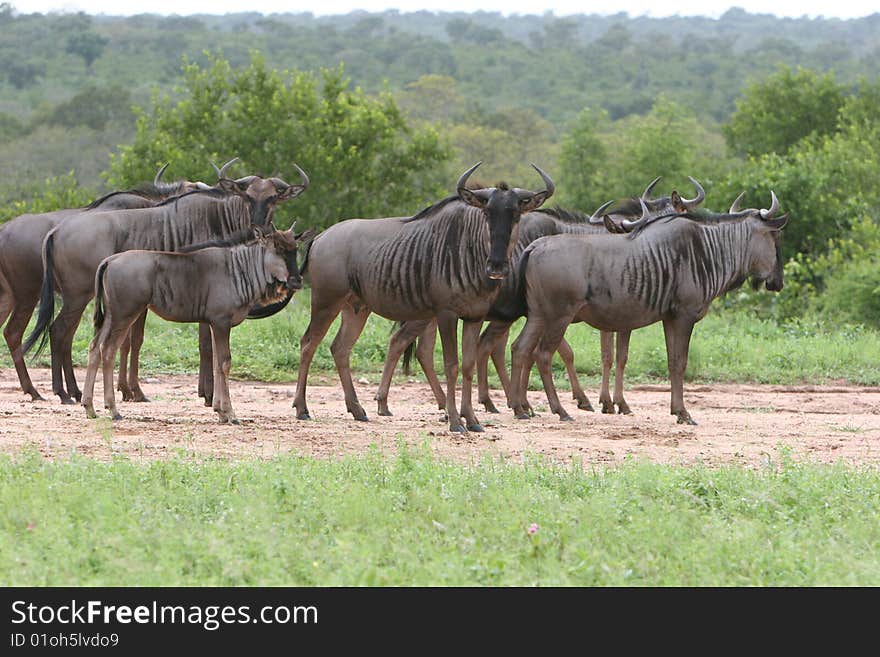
[852, 293]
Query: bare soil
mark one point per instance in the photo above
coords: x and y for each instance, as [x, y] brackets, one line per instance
[738, 424]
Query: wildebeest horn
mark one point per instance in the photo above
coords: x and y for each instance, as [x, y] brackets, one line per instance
[548, 183]
[221, 172]
[596, 217]
[734, 207]
[159, 173]
[302, 175]
[464, 177]
[647, 193]
[774, 206]
[694, 202]
[629, 225]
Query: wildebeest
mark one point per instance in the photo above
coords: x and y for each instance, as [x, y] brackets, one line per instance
[446, 262]
[214, 283]
[504, 311]
[668, 269]
[21, 268]
[73, 250]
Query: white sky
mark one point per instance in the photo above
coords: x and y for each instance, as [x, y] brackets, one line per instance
[714, 8]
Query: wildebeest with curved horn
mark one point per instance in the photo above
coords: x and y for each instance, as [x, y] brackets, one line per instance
[214, 283]
[73, 250]
[668, 269]
[21, 267]
[446, 262]
[504, 311]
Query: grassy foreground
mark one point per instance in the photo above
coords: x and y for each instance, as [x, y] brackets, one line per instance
[412, 519]
[726, 346]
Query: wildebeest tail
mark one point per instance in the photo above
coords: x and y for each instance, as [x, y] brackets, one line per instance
[98, 320]
[305, 260]
[47, 300]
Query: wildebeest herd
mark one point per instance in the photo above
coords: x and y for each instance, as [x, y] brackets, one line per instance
[194, 252]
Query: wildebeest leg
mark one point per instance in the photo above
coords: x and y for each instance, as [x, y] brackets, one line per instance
[566, 353]
[622, 355]
[447, 323]
[136, 338]
[322, 318]
[607, 340]
[110, 346]
[547, 346]
[520, 363]
[678, 337]
[401, 339]
[353, 321]
[470, 334]
[61, 334]
[222, 364]
[425, 356]
[122, 383]
[95, 350]
[13, 333]
[206, 364]
[492, 343]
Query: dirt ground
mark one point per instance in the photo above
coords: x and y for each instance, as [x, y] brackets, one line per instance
[738, 424]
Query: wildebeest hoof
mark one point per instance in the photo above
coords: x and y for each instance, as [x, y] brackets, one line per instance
[476, 427]
[385, 413]
[67, 401]
[209, 401]
[35, 396]
[235, 421]
[489, 406]
[585, 405]
[140, 398]
[685, 418]
[303, 416]
[457, 428]
[126, 395]
[90, 412]
[565, 417]
[115, 416]
[623, 409]
[523, 415]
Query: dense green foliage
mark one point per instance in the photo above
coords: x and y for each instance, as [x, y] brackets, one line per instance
[412, 519]
[363, 157]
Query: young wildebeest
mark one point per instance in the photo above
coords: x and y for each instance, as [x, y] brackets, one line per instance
[505, 311]
[668, 269]
[21, 268]
[73, 250]
[445, 262]
[203, 283]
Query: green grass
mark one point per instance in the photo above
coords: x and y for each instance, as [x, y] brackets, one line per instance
[726, 346]
[412, 519]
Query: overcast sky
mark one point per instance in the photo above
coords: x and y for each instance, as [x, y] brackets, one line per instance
[714, 8]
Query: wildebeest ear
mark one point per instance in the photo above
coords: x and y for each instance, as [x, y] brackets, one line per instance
[305, 235]
[677, 203]
[232, 186]
[292, 191]
[472, 197]
[777, 223]
[610, 226]
[534, 201]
